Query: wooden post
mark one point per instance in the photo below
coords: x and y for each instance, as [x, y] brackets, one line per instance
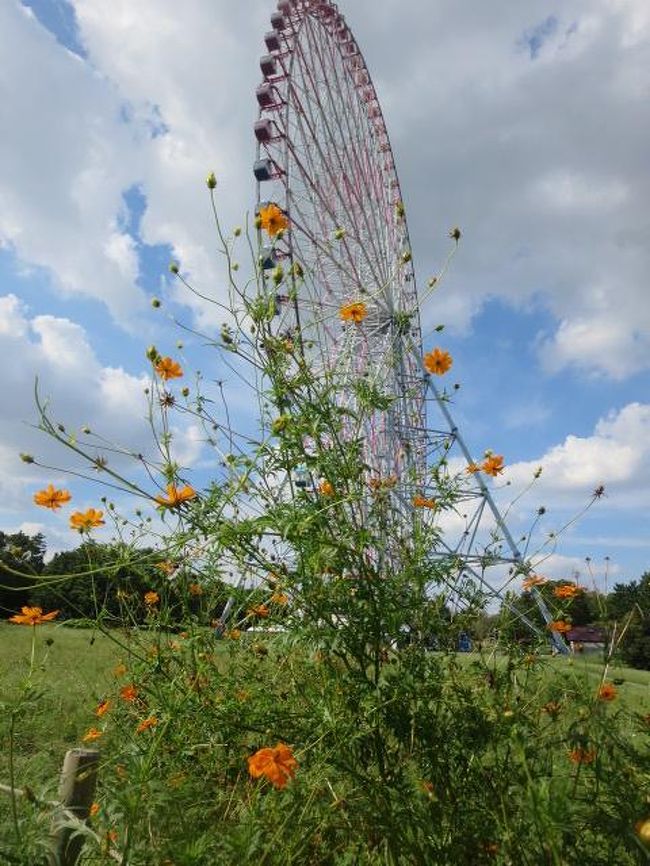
[76, 792]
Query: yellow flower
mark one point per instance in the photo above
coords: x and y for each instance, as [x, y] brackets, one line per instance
[51, 497]
[147, 723]
[493, 465]
[355, 312]
[642, 829]
[607, 692]
[582, 756]
[278, 765]
[151, 598]
[273, 220]
[167, 369]
[567, 590]
[33, 616]
[533, 580]
[437, 361]
[91, 735]
[560, 626]
[102, 708]
[176, 496]
[129, 693]
[84, 521]
[420, 501]
[325, 488]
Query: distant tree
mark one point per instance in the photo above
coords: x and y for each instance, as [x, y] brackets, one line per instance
[18, 553]
[584, 609]
[631, 602]
[109, 581]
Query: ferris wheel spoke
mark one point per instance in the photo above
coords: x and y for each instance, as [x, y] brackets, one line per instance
[311, 102]
[352, 144]
[322, 205]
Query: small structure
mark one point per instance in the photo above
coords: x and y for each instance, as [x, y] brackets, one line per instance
[586, 639]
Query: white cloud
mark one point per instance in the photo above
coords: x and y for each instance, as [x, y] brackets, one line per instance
[539, 155]
[79, 391]
[617, 456]
[66, 157]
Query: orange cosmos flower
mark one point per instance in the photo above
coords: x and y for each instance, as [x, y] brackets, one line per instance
[102, 708]
[560, 626]
[567, 590]
[167, 567]
[278, 765]
[260, 610]
[607, 692]
[326, 489]
[51, 497]
[84, 521]
[493, 465]
[234, 634]
[151, 598]
[195, 589]
[420, 501]
[129, 693]
[91, 735]
[167, 369]
[438, 361]
[119, 670]
[33, 616]
[147, 723]
[279, 598]
[94, 809]
[273, 220]
[533, 580]
[176, 496]
[355, 312]
[473, 468]
[582, 756]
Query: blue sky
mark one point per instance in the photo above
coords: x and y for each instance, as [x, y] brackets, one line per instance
[527, 127]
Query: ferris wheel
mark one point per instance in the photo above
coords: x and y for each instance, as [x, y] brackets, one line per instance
[325, 166]
[324, 158]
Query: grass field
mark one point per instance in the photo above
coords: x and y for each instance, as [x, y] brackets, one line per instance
[74, 670]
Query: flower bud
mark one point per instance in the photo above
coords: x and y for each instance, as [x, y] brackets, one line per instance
[173, 267]
[339, 234]
[185, 392]
[27, 458]
[155, 303]
[211, 180]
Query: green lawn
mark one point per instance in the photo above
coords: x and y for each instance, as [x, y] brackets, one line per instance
[73, 668]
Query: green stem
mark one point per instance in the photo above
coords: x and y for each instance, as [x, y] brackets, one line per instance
[12, 779]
